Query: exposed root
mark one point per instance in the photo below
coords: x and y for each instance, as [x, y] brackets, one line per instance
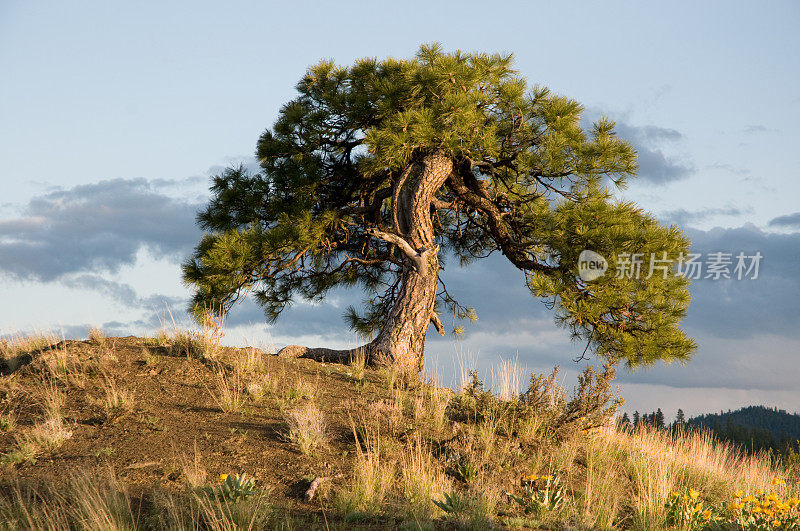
[320, 354]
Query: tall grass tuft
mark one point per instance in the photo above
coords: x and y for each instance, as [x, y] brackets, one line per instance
[306, 428]
[372, 478]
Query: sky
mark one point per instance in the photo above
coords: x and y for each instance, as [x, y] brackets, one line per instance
[114, 117]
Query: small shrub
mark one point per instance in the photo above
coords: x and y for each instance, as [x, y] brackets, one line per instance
[685, 511]
[454, 503]
[543, 408]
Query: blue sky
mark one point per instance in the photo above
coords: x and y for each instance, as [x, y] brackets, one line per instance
[113, 118]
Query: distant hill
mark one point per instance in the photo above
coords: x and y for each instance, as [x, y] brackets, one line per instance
[755, 428]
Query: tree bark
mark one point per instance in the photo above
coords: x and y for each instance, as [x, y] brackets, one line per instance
[401, 340]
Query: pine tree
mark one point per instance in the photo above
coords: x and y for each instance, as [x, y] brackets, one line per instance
[377, 172]
[658, 419]
[625, 421]
[680, 418]
[636, 419]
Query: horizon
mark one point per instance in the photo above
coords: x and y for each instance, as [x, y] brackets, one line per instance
[115, 119]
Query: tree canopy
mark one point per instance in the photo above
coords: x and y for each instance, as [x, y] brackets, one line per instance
[377, 172]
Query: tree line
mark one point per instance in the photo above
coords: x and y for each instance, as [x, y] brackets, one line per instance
[754, 428]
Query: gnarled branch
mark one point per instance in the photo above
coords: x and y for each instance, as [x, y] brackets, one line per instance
[419, 259]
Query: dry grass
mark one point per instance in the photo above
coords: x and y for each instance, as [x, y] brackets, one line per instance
[358, 364]
[251, 360]
[229, 391]
[87, 502]
[97, 337]
[306, 428]
[507, 379]
[409, 450]
[204, 342]
[116, 401]
[372, 479]
[300, 388]
[192, 471]
[45, 436]
[421, 480]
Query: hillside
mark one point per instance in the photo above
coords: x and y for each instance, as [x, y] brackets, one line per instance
[176, 432]
[755, 428]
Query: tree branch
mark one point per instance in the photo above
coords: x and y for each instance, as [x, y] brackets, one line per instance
[437, 323]
[419, 259]
[476, 197]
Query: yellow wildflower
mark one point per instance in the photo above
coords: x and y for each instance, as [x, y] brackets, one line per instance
[532, 477]
[735, 506]
[739, 493]
[706, 514]
[749, 499]
[776, 523]
[698, 507]
[675, 494]
[223, 477]
[778, 481]
[693, 494]
[793, 501]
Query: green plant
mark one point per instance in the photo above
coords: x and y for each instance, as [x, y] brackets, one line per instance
[26, 451]
[232, 488]
[686, 511]
[541, 494]
[7, 422]
[466, 471]
[453, 503]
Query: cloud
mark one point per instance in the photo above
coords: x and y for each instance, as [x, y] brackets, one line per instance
[736, 170]
[790, 221]
[758, 128]
[684, 217]
[744, 308]
[121, 292]
[654, 166]
[96, 228]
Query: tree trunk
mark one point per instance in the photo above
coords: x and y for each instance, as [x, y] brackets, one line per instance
[401, 340]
